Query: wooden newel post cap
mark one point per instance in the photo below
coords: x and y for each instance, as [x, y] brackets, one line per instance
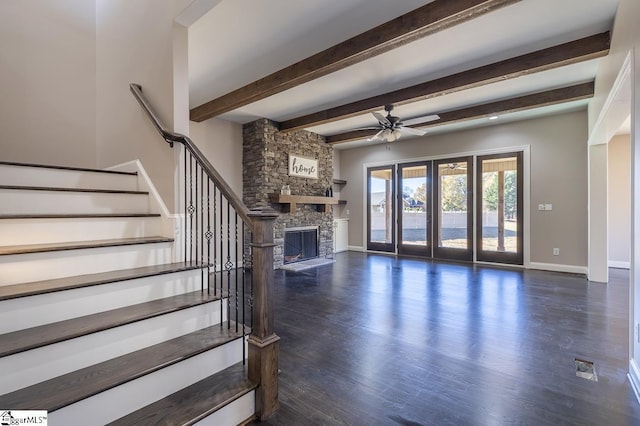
[263, 212]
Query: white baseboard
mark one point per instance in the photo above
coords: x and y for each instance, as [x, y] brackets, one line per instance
[634, 378]
[145, 184]
[620, 265]
[572, 269]
[170, 223]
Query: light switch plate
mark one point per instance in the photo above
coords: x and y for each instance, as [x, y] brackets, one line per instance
[548, 206]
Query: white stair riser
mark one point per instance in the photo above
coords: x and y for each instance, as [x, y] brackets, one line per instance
[234, 413]
[37, 176]
[32, 311]
[42, 231]
[34, 366]
[100, 409]
[18, 201]
[22, 268]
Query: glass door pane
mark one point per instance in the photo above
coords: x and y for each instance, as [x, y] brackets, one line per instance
[499, 219]
[453, 200]
[381, 208]
[414, 208]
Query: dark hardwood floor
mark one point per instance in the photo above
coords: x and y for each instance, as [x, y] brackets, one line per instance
[379, 340]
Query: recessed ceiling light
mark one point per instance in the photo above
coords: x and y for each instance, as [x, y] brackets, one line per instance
[493, 117]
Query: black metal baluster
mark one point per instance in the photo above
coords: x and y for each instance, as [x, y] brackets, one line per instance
[202, 237]
[184, 224]
[221, 254]
[191, 209]
[244, 300]
[217, 290]
[251, 284]
[228, 265]
[213, 234]
[236, 274]
[209, 235]
[197, 233]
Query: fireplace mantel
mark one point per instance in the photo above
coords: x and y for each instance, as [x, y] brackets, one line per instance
[292, 201]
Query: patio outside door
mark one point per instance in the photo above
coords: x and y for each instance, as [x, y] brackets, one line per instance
[453, 208]
[381, 209]
[429, 212]
[499, 221]
[414, 209]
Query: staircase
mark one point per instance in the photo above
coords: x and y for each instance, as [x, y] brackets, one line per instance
[99, 324]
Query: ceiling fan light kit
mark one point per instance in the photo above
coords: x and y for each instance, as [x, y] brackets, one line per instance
[391, 128]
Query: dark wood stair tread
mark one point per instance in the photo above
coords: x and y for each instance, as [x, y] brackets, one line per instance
[78, 215]
[67, 189]
[72, 387]
[75, 245]
[68, 283]
[47, 334]
[193, 403]
[75, 169]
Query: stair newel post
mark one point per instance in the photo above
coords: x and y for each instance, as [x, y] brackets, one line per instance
[263, 342]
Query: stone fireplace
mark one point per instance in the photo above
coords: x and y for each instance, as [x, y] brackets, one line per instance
[265, 153]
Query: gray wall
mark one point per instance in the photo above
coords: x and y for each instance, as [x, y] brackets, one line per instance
[139, 42]
[65, 68]
[48, 82]
[619, 203]
[625, 38]
[558, 148]
[221, 142]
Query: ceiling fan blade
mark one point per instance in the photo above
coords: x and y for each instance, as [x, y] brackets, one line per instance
[421, 119]
[381, 119]
[366, 128]
[412, 131]
[376, 136]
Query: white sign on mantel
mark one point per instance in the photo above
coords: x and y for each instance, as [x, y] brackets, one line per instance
[303, 166]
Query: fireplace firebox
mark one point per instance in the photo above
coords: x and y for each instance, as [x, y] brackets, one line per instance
[300, 244]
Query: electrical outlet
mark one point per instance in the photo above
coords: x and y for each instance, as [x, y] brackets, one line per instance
[556, 251]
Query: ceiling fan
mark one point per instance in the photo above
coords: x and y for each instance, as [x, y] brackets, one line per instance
[391, 128]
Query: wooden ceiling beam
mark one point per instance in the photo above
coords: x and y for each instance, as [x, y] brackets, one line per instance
[428, 19]
[572, 52]
[521, 103]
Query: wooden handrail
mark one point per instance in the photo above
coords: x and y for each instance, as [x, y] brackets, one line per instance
[263, 343]
[172, 137]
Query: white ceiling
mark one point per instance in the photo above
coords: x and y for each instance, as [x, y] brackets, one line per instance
[240, 41]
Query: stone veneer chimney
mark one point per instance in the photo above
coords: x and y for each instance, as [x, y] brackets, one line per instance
[265, 161]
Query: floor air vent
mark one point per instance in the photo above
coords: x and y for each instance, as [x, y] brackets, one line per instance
[586, 370]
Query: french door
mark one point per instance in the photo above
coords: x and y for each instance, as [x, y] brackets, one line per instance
[414, 209]
[453, 208]
[499, 212]
[381, 209]
[426, 208]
